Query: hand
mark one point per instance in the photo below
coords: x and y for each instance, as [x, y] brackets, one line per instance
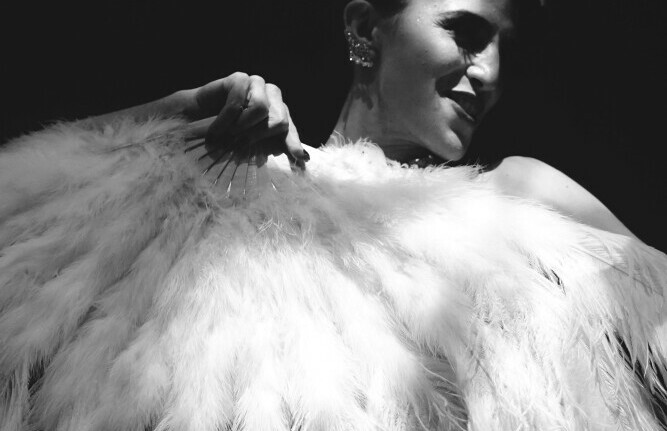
[252, 122]
[240, 111]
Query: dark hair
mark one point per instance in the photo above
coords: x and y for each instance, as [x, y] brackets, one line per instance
[388, 8]
[392, 7]
[522, 53]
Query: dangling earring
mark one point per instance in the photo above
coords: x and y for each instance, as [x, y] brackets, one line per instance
[361, 52]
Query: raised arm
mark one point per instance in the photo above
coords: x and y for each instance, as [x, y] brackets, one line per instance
[239, 107]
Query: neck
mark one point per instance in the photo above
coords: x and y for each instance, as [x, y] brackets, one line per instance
[363, 118]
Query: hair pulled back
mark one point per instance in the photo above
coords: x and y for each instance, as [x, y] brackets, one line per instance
[391, 7]
[388, 8]
[522, 53]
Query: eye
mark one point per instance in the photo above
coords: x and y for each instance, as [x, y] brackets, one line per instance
[471, 32]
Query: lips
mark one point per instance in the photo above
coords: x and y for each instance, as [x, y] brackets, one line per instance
[470, 105]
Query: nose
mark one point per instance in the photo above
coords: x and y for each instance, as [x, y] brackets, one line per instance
[483, 68]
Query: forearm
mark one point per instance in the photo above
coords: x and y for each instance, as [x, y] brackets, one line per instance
[179, 104]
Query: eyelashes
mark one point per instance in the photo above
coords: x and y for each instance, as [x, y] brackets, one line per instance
[471, 33]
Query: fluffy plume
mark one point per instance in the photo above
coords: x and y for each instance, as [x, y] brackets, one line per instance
[360, 296]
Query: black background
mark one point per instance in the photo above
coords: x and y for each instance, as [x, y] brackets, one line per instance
[588, 100]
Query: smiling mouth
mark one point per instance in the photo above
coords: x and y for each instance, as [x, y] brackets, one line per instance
[468, 105]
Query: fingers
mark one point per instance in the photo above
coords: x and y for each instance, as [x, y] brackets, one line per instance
[257, 105]
[241, 101]
[198, 129]
[212, 97]
[245, 106]
[276, 122]
[234, 105]
[293, 143]
[250, 111]
[278, 119]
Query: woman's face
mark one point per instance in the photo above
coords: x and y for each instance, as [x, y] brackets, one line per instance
[438, 70]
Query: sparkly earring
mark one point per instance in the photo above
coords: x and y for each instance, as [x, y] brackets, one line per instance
[361, 52]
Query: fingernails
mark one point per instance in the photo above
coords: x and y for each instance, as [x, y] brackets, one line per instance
[297, 165]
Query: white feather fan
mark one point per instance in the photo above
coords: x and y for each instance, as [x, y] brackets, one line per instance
[361, 296]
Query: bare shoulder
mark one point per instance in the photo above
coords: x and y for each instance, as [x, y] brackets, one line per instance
[531, 178]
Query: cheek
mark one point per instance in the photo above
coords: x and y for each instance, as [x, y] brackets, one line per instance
[410, 77]
[402, 86]
[415, 63]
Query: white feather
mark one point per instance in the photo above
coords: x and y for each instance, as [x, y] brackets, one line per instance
[362, 296]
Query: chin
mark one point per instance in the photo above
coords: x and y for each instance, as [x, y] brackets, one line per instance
[451, 147]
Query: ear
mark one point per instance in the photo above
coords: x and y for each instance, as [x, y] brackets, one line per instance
[361, 18]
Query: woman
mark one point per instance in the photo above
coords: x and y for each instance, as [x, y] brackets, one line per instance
[361, 295]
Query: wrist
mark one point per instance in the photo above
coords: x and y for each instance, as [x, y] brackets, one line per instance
[182, 103]
[179, 104]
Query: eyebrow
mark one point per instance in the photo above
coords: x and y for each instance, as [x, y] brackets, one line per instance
[469, 17]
